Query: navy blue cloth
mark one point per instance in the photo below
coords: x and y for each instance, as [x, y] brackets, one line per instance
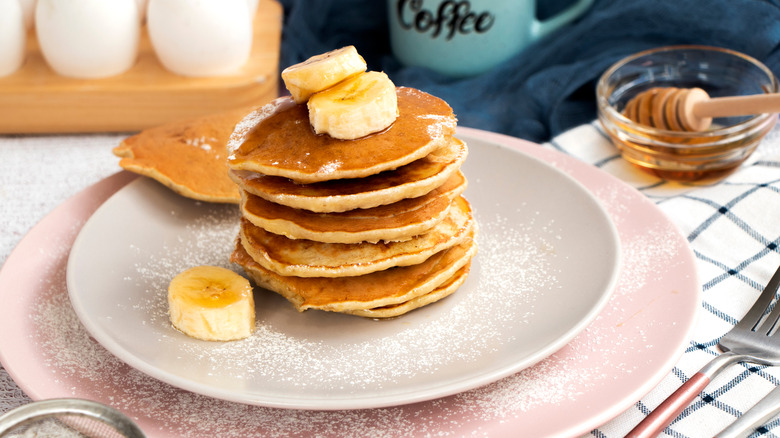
[549, 87]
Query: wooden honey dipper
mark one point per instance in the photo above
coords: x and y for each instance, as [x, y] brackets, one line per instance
[692, 109]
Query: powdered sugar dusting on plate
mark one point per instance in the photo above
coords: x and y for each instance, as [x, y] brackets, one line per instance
[513, 269]
[640, 251]
[72, 354]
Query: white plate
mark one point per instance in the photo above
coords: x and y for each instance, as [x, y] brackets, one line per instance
[547, 263]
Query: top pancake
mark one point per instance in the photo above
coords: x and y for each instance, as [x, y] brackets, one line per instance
[278, 140]
[187, 156]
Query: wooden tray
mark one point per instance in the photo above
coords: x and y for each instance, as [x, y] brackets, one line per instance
[36, 100]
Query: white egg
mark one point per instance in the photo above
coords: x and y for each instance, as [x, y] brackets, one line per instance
[252, 7]
[200, 37]
[88, 38]
[28, 12]
[13, 37]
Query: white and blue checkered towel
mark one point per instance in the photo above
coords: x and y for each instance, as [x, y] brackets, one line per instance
[733, 227]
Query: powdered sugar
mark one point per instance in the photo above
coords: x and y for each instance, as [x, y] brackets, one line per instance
[515, 264]
[202, 142]
[252, 119]
[73, 355]
[513, 269]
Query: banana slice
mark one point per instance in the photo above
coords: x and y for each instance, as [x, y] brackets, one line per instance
[322, 71]
[355, 107]
[211, 303]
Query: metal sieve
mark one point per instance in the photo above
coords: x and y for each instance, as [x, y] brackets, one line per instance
[67, 418]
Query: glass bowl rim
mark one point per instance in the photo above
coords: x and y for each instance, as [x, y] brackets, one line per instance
[609, 111]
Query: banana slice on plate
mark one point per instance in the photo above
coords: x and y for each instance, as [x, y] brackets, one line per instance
[211, 303]
[355, 107]
[321, 72]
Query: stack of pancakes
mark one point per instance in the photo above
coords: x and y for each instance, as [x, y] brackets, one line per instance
[374, 226]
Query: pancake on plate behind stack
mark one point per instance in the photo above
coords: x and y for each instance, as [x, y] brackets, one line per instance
[351, 192]
[188, 156]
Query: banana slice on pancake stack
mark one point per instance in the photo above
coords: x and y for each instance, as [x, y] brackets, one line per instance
[351, 192]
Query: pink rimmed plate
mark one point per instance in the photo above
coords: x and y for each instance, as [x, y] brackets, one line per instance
[635, 340]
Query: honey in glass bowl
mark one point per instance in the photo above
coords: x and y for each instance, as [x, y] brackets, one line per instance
[683, 155]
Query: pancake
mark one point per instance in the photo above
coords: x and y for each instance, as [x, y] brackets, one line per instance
[382, 288]
[445, 290]
[397, 221]
[307, 258]
[278, 140]
[410, 181]
[189, 156]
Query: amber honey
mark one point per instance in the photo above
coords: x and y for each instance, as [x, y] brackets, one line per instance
[684, 155]
[686, 158]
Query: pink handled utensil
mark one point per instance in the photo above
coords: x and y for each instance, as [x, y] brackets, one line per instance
[751, 340]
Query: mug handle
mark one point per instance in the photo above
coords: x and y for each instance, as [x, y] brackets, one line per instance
[542, 28]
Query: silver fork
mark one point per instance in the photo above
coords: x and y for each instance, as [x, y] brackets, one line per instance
[751, 340]
[759, 414]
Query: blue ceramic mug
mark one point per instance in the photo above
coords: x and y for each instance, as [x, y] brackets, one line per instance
[466, 37]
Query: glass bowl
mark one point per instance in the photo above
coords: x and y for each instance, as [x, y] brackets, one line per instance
[685, 156]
